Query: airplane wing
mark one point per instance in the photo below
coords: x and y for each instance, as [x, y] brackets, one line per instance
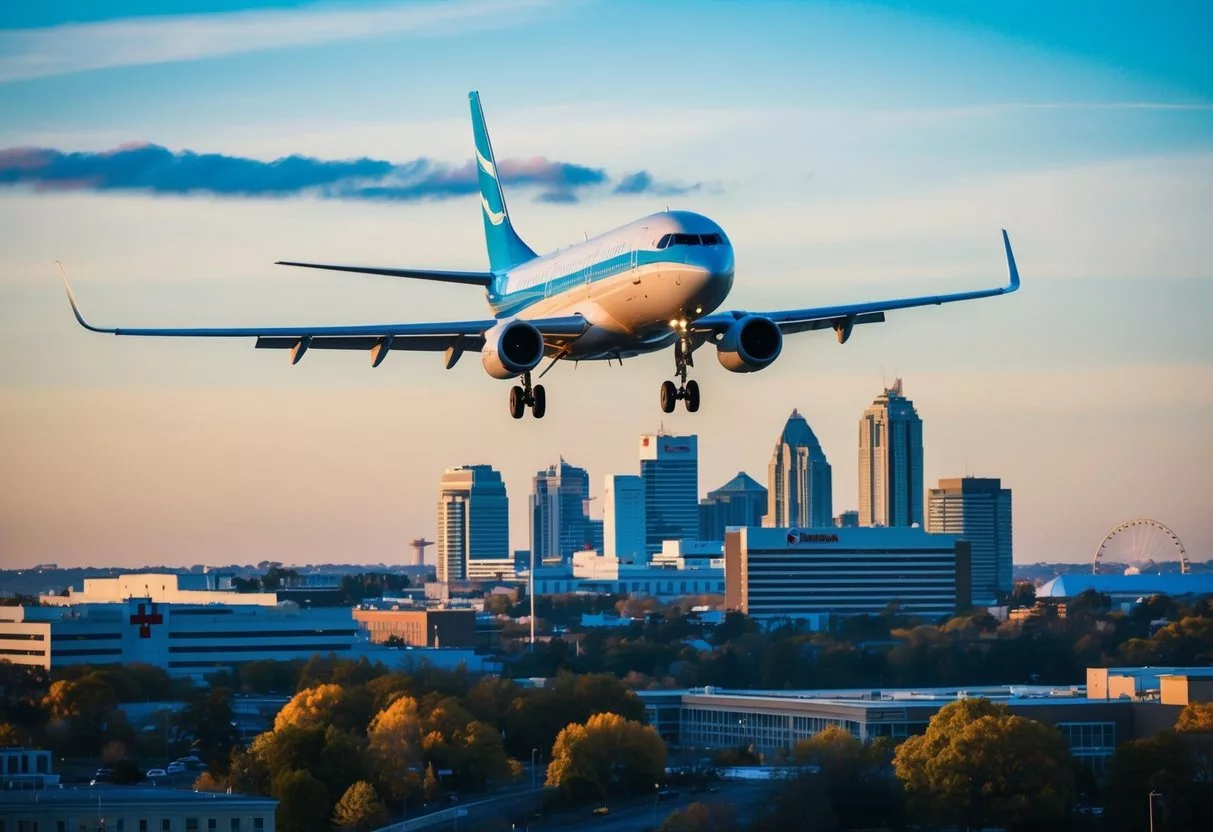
[842, 317]
[468, 278]
[453, 337]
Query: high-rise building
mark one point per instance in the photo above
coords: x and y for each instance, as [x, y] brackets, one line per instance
[799, 479]
[890, 461]
[849, 519]
[977, 509]
[739, 502]
[623, 526]
[559, 522]
[473, 525]
[669, 466]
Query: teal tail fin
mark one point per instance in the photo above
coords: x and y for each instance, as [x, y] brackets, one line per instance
[505, 247]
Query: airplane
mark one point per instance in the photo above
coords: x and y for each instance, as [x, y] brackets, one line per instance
[645, 286]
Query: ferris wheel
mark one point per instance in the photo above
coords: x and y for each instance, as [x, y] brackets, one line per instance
[1138, 545]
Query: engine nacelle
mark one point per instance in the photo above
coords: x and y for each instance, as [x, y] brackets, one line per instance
[511, 348]
[750, 345]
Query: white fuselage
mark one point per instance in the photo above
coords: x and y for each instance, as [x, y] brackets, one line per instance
[627, 288]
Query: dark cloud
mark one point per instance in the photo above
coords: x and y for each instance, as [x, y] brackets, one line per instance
[153, 169]
[642, 182]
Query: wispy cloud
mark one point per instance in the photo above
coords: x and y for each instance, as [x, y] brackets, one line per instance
[77, 47]
[154, 169]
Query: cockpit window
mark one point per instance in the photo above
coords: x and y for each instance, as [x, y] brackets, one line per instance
[690, 240]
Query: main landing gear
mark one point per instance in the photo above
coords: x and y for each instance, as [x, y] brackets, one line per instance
[524, 396]
[688, 391]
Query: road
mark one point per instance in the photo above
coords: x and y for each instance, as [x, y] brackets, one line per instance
[743, 796]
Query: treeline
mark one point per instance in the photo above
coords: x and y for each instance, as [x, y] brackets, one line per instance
[977, 767]
[888, 650]
[356, 735]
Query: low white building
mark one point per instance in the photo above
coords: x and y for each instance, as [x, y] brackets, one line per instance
[133, 809]
[217, 631]
[673, 577]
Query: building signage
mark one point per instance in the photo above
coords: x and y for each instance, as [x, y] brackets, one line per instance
[796, 537]
[145, 618]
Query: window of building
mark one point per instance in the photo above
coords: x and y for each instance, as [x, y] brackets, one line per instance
[142, 824]
[191, 825]
[165, 825]
[235, 825]
[258, 824]
[120, 825]
[211, 824]
[60, 826]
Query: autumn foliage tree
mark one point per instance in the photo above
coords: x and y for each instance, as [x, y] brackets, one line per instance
[606, 756]
[977, 766]
[359, 809]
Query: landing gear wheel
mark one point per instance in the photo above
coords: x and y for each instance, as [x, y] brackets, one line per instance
[539, 401]
[517, 401]
[669, 396]
[691, 396]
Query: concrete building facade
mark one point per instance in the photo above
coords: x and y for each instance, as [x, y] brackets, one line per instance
[669, 467]
[813, 574]
[473, 525]
[890, 461]
[800, 485]
[623, 520]
[739, 502]
[978, 510]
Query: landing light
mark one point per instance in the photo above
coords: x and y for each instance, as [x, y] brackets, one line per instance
[673, 323]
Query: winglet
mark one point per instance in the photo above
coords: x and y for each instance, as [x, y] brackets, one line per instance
[71, 298]
[1006, 241]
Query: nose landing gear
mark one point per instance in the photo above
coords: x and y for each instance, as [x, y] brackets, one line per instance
[688, 391]
[524, 395]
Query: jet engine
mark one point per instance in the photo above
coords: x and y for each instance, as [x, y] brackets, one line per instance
[750, 344]
[511, 348]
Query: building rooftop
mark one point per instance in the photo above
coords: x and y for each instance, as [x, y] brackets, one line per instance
[740, 484]
[92, 797]
[1141, 585]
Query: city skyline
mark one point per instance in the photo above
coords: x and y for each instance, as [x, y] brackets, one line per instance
[938, 127]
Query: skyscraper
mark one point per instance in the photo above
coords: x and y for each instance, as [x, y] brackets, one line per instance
[623, 526]
[739, 502]
[559, 522]
[473, 525]
[890, 461]
[799, 479]
[669, 466]
[977, 509]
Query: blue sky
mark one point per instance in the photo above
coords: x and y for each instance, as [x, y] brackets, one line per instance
[850, 150]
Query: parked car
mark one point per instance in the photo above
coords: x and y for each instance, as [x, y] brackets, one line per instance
[153, 773]
[176, 768]
[601, 811]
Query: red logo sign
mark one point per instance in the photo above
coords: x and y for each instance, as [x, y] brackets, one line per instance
[644, 441]
[145, 618]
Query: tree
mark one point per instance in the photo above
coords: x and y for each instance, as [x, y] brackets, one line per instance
[854, 776]
[977, 765]
[607, 755]
[1168, 764]
[698, 817]
[359, 809]
[394, 746]
[1196, 717]
[207, 717]
[310, 708]
[303, 802]
[8, 735]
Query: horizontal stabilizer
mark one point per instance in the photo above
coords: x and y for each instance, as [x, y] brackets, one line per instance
[468, 278]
